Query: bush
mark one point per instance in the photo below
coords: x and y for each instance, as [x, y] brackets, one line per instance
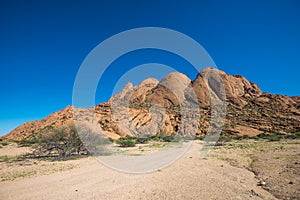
[271, 137]
[4, 143]
[198, 137]
[239, 137]
[162, 136]
[142, 140]
[169, 138]
[126, 142]
[26, 142]
[293, 136]
[274, 138]
[223, 139]
[111, 140]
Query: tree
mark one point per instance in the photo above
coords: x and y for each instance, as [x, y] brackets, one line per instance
[61, 143]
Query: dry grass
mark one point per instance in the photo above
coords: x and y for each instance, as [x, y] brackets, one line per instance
[275, 163]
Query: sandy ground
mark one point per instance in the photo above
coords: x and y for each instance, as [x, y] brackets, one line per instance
[188, 178]
[12, 150]
[277, 164]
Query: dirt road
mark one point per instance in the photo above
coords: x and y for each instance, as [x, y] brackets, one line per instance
[188, 178]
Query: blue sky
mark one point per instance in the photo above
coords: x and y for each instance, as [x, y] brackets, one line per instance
[43, 43]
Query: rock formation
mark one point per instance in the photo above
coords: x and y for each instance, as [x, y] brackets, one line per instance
[177, 105]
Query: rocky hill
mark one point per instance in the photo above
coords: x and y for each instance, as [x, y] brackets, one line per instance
[177, 105]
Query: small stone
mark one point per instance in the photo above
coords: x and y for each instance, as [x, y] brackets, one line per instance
[253, 193]
[261, 183]
[291, 182]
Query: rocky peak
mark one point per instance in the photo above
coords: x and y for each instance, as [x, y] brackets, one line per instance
[171, 90]
[149, 82]
[237, 88]
[248, 109]
[123, 95]
[140, 92]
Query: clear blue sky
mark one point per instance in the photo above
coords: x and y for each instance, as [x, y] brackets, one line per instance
[43, 43]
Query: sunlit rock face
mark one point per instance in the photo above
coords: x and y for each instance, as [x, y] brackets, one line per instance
[154, 106]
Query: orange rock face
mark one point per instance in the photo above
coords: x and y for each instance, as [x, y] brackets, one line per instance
[153, 106]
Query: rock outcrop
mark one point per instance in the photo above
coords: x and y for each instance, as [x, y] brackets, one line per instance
[177, 105]
[61, 118]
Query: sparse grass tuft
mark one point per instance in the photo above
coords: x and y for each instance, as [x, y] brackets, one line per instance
[15, 175]
[7, 159]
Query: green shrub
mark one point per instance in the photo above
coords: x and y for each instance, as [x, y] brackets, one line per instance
[240, 137]
[26, 142]
[169, 138]
[142, 140]
[198, 137]
[272, 137]
[293, 136]
[160, 134]
[111, 140]
[4, 143]
[224, 139]
[126, 142]
[155, 138]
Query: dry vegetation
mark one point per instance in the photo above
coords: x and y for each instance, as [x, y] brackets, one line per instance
[276, 164]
